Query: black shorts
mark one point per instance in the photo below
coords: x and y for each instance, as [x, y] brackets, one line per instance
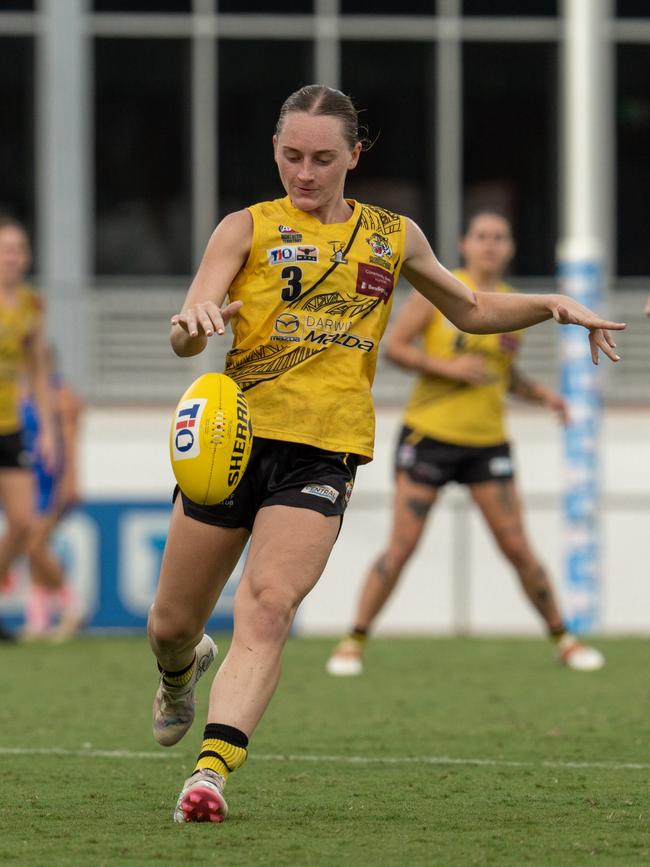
[432, 462]
[282, 474]
[13, 454]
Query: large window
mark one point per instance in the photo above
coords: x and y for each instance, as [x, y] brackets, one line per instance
[633, 8]
[142, 156]
[514, 8]
[254, 80]
[510, 143]
[633, 146]
[392, 83]
[388, 7]
[17, 138]
[17, 6]
[296, 7]
[158, 6]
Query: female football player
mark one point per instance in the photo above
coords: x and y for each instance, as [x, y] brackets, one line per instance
[22, 353]
[56, 493]
[454, 430]
[310, 280]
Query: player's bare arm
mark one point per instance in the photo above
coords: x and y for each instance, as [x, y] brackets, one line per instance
[536, 392]
[403, 339]
[488, 313]
[202, 314]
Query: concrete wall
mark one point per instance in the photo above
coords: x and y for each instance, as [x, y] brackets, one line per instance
[457, 582]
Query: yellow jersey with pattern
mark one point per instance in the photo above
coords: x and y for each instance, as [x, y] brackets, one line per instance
[457, 412]
[19, 322]
[316, 300]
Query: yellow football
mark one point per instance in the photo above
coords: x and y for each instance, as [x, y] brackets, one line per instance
[211, 439]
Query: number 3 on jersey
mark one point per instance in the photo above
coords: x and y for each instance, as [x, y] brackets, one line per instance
[293, 275]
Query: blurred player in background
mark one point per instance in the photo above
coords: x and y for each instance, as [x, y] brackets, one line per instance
[50, 592]
[454, 430]
[22, 354]
[311, 406]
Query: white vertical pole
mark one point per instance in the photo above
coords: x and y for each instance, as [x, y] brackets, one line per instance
[448, 134]
[327, 55]
[204, 98]
[580, 274]
[63, 197]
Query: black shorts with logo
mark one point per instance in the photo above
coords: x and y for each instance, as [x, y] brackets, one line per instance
[282, 474]
[433, 462]
[13, 454]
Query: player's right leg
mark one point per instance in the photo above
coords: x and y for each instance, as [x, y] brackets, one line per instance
[17, 499]
[196, 565]
[411, 505]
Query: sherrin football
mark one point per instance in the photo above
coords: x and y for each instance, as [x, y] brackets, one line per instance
[210, 439]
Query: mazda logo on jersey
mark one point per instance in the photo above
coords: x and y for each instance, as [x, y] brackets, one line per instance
[287, 323]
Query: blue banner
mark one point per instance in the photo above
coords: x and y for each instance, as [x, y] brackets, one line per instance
[582, 280]
[112, 552]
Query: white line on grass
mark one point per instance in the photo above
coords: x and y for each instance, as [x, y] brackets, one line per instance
[341, 760]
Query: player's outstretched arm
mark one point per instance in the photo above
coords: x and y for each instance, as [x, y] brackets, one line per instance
[202, 314]
[492, 312]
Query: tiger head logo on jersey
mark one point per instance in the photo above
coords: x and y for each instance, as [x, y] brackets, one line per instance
[380, 246]
[381, 251]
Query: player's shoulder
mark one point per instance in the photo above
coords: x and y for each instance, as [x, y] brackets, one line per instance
[376, 218]
[30, 298]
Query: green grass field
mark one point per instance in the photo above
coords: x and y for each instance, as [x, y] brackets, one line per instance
[508, 760]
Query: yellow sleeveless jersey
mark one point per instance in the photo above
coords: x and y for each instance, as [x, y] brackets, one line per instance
[456, 412]
[18, 323]
[316, 302]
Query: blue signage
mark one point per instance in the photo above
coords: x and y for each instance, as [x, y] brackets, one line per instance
[112, 552]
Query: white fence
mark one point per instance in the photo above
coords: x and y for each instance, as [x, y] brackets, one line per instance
[457, 581]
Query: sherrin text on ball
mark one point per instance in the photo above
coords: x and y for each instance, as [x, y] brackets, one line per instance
[210, 439]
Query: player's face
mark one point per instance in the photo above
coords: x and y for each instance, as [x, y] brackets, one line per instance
[488, 246]
[14, 255]
[313, 159]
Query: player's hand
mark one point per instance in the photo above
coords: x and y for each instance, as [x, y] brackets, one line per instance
[206, 318]
[566, 311]
[557, 404]
[646, 309]
[67, 494]
[468, 367]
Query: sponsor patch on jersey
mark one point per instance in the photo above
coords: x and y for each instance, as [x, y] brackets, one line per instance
[306, 253]
[187, 423]
[327, 492]
[292, 253]
[280, 255]
[289, 235]
[337, 252]
[374, 281]
[500, 466]
[286, 326]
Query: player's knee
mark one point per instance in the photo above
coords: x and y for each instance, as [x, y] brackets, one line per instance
[172, 629]
[271, 613]
[21, 526]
